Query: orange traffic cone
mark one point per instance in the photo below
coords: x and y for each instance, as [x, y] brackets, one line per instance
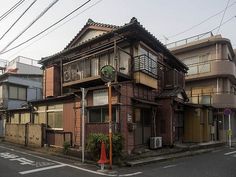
[103, 156]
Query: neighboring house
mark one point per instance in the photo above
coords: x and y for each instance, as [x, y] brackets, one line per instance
[20, 82]
[145, 69]
[211, 78]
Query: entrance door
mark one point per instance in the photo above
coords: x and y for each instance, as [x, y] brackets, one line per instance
[143, 120]
[179, 127]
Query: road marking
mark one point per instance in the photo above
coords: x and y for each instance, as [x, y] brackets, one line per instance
[42, 169]
[23, 161]
[132, 174]
[72, 166]
[229, 153]
[103, 174]
[169, 166]
[39, 157]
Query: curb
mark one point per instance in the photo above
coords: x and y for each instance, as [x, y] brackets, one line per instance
[167, 157]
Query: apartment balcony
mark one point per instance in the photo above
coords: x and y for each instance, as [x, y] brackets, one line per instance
[217, 100]
[146, 71]
[224, 100]
[86, 73]
[211, 69]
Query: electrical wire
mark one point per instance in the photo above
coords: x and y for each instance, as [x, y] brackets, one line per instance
[11, 9]
[223, 23]
[2, 52]
[223, 17]
[18, 19]
[194, 26]
[36, 19]
[58, 26]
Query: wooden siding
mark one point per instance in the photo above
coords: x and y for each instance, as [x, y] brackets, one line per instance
[52, 82]
[71, 119]
[49, 82]
[145, 79]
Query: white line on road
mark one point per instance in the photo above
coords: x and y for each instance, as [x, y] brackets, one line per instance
[132, 174]
[103, 174]
[72, 166]
[229, 153]
[42, 169]
[169, 166]
[39, 157]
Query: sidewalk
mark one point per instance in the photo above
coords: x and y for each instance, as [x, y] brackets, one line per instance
[180, 150]
[140, 157]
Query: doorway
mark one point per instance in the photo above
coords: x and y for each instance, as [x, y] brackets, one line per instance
[143, 120]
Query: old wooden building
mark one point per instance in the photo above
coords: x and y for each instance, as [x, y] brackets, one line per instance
[148, 79]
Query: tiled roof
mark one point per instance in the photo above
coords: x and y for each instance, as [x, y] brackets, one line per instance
[90, 22]
[114, 29]
[173, 93]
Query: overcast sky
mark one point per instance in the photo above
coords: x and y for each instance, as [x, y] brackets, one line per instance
[163, 18]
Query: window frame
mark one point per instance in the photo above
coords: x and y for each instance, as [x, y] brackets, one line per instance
[101, 109]
[51, 108]
[17, 87]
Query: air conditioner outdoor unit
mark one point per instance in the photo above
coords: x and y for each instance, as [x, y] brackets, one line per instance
[155, 142]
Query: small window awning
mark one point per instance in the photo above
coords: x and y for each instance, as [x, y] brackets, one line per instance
[146, 102]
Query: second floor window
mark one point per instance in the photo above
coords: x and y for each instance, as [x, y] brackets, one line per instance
[198, 64]
[90, 67]
[18, 93]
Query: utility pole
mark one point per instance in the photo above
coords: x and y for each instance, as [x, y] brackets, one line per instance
[230, 132]
[83, 122]
[110, 123]
[115, 58]
[227, 112]
[108, 75]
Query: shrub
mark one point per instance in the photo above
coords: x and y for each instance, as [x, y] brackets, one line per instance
[66, 146]
[94, 145]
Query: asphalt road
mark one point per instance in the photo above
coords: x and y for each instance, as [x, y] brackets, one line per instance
[218, 163]
[17, 162]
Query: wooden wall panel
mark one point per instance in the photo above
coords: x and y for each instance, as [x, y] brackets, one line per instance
[49, 82]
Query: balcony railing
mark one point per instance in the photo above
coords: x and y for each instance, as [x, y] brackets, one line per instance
[24, 60]
[201, 99]
[188, 40]
[146, 64]
[207, 98]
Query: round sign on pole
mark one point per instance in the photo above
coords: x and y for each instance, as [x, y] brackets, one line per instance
[108, 73]
[227, 111]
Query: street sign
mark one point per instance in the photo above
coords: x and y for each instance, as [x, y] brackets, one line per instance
[108, 73]
[227, 111]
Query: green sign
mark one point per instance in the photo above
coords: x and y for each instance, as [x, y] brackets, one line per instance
[108, 73]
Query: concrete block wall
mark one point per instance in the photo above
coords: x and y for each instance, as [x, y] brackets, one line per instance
[15, 133]
[30, 134]
[35, 136]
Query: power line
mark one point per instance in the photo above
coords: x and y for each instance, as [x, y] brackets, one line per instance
[11, 9]
[224, 23]
[57, 27]
[223, 17]
[18, 19]
[36, 19]
[194, 26]
[2, 52]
